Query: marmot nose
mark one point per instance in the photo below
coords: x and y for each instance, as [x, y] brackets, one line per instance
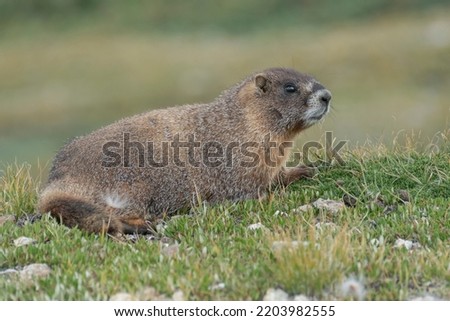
[324, 96]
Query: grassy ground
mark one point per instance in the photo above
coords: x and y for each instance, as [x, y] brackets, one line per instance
[211, 254]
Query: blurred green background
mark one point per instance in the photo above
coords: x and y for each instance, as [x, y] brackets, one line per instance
[69, 67]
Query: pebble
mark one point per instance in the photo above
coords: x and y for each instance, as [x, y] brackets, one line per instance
[9, 272]
[279, 295]
[166, 240]
[275, 295]
[217, 286]
[122, 296]
[256, 226]
[178, 296]
[38, 270]
[170, 250]
[377, 242]
[407, 244]
[161, 227]
[150, 294]
[426, 297]
[147, 294]
[23, 240]
[302, 209]
[329, 205]
[326, 225]
[280, 213]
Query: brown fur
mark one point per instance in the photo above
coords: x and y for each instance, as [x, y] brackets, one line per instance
[83, 192]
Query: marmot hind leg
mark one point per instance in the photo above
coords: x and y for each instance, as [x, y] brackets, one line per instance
[75, 211]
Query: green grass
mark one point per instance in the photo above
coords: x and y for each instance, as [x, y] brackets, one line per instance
[18, 190]
[215, 245]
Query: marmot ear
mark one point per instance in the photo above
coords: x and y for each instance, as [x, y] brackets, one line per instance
[262, 82]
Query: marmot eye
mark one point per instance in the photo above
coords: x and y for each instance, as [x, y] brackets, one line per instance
[290, 88]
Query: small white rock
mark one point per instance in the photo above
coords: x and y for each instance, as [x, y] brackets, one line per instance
[256, 226]
[280, 213]
[324, 225]
[275, 295]
[377, 242]
[426, 297]
[301, 297]
[122, 296]
[23, 240]
[302, 209]
[149, 293]
[217, 286]
[329, 205]
[170, 250]
[407, 244]
[403, 243]
[178, 296]
[161, 227]
[9, 272]
[35, 270]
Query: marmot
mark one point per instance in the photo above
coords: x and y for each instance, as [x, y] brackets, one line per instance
[123, 176]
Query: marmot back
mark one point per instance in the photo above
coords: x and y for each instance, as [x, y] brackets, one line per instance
[120, 178]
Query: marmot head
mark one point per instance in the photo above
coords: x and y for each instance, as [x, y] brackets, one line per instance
[291, 100]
